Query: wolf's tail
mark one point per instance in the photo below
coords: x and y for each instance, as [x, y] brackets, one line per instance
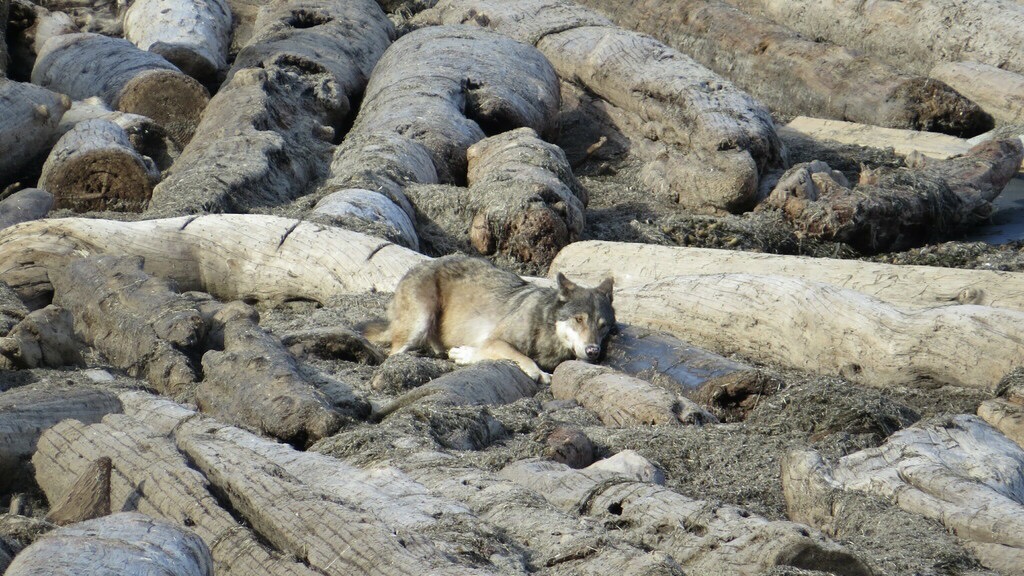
[376, 331]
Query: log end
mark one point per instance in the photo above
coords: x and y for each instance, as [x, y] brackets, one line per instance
[114, 179]
[188, 60]
[934, 106]
[174, 100]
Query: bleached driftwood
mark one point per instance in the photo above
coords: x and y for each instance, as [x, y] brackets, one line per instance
[356, 208]
[128, 79]
[194, 35]
[44, 338]
[1006, 416]
[94, 167]
[716, 138]
[825, 329]
[24, 205]
[101, 16]
[29, 123]
[88, 497]
[637, 264]
[234, 257]
[821, 78]
[701, 536]
[958, 470]
[622, 400]
[29, 27]
[123, 543]
[146, 136]
[482, 384]
[1000, 92]
[26, 413]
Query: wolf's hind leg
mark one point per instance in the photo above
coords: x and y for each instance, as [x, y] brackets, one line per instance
[414, 318]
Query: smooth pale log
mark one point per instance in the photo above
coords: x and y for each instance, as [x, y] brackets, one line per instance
[146, 136]
[122, 543]
[959, 471]
[44, 338]
[636, 264]
[481, 384]
[825, 329]
[622, 400]
[24, 205]
[26, 413]
[1005, 416]
[158, 482]
[94, 167]
[127, 78]
[234, 257]
[1000, 92]
[361, 205]
[194, 35]
[703, 537]
[29, 125]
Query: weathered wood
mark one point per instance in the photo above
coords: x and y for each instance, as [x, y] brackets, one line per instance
[820, 78]
[123, 543]
[637, 264]
[128, 79]
[243, 20]
[822, 328]
[88, 497]
[158, 482]
[569, 446]
[139, 322]
[1006, 416]
[146, 136]
[44, 338]
[12, 309]
[253, 381]
[701, 536]
[355, 209]
[622, 400]
[333, 342]
[101, 16]
[267, 133]
[24, 205]
[29, 125]
[915, 36]
[29, 27]
[193, 35]
[999, 92]
[5, 61]
[26, 413]
[957, 470]
[234, 257]
[671, 98]
[94, 167]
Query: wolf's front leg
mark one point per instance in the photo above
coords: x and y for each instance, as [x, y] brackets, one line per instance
[499, 350]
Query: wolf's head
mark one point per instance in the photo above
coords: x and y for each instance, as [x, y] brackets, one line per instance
[585, 317]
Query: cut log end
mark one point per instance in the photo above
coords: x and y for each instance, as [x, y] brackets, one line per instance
[174, 100]
[111, 179]
[187, 59]
[936, 107]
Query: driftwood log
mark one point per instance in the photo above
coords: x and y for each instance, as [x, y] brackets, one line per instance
[903, 142]
[716, 139]
[100, 16]
[702, 536]
[958, 470]
[193, 35]
[95, 167]
[128, 79]
[637, 264]
[44, 338]
[913, 36]
[88, 497]
[29, 124]
[821, 78]
[999, 92]
[26, 413]
[123, 543]
[24, 205]
[29, 27]
[146, 136]
[280, 258]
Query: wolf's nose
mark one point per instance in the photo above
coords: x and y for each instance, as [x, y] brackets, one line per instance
[593, 351]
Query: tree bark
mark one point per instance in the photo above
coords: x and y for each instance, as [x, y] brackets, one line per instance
[29, 124]
[192, 35]
[825, 329]
[671, 98]
[821, 78]
[29, 27]
[45, 338]
[128, 79]
[958, 470]
[282, 259]
[94, 167]
[999, 92]
[124, 543]
[24, 205]
[27, 413]
[924, 286]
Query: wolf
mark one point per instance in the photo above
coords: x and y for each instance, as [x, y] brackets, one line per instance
[469, 309]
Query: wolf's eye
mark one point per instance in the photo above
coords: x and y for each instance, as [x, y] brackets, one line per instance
[580, 318]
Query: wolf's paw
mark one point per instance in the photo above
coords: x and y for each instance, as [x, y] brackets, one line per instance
[462, 354]
[544, 378]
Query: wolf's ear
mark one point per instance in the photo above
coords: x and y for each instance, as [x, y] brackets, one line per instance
[565, 287]
[605, 287]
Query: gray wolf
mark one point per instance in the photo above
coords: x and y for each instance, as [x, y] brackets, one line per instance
[470, 310]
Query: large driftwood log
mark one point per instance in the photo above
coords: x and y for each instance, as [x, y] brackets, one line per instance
[29, 125]
[1006, 416]
[146, 136]
[45, 338]
[140, 323]
[637, 264]
[29, 27]
[24, 205]
[234, 257]
[267, 133]
[28, 412]
[157, 482]
[622, 400]
[915, 36]
[702, 536]
[128, 79]
[821, 78]
[825, 329]
[94, 167]
[720, 135]
[483, 384]
[191, 34]
[88, 497]
[999, 92]
[959, 471]
[123, 543]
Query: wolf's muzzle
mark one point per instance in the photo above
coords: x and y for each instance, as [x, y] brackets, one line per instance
[592, 351]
